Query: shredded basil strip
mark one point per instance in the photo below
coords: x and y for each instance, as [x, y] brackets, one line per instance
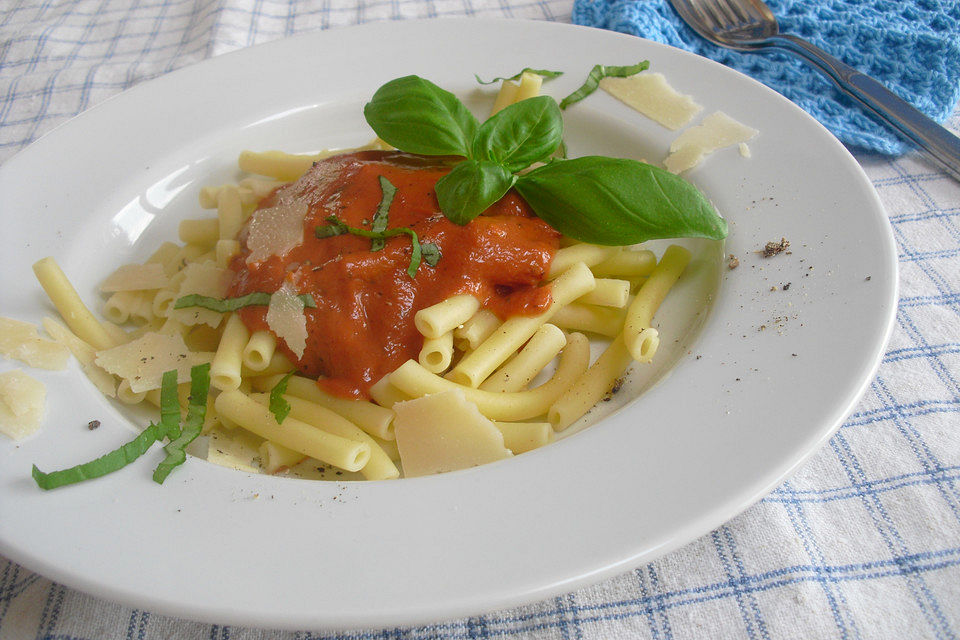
[546, 74]
[381, 217]
[192, 426]
[279, 406]
[113, 461]
[224, 305]
[598, 73]
[338, 228]
[170, 404]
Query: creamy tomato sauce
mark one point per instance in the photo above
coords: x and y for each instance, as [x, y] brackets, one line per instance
[363, 326]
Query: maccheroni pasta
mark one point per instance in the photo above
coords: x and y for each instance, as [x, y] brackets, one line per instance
[492, 366]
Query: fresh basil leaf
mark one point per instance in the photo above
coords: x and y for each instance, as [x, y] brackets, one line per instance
[336, 228]
[223, 305]
[520, 134]
[417, 116]
[546, 74]
[279, 406]
[170, 404]
[471, 187]
[598, 73]
[192, 426]
[381, 217]
[612, 201]
[431, 253]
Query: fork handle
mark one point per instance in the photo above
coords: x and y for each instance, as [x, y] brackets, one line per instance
[891, 108]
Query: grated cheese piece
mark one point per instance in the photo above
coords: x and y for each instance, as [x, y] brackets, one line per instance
[85, 355]
[717, 130]
[206, 279]
[651, 95]
[143, 361]
[744, 150]
[21, 341]
[286, 319]
[136, 277]
[274, 231]
[22, 400]
[444, 432]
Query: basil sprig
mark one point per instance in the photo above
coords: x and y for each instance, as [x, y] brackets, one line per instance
[223, 305]
[426, 252]
[593, 199]
[279, 406]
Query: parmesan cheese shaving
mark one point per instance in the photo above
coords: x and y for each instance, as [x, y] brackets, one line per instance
[206, 279]
[136, 277]
[22, 400]
[286, 319]
[21, 341]
[274, 231]
[444, 432]
[717, 130]
[651, 95]
[143, 361]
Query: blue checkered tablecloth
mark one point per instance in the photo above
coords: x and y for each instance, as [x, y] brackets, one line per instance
[862, 542]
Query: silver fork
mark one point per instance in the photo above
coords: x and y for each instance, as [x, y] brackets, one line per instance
[749, 25]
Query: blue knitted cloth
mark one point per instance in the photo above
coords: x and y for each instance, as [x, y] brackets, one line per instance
[912, 46]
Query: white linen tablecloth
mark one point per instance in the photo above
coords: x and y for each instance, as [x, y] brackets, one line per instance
[862, 542]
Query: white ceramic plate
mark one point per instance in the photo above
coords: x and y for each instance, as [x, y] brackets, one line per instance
[756, 384]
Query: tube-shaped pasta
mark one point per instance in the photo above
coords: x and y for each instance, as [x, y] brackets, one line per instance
[127, 395]
[437, 353]
[522, 368]
[609, 292]
[506, 96]
[275, 457]
[521, 437]
[279, 363]
[378, 467]
[117, 333]
[259, 350]
[225, 251]
[478, 328]
[606, 321]
[294, 434]
[529, 86]
[167, 255]
[591, 386]
[67, 301]
[164, 298]
[479, 363]
[118, 305]
[229, 212]
[387, 395]
[286, 167]
[639, 342]
[203, 232]
[258, 187]
[588, 254]
[225, 368]
[443, 317]
[375, 420]
[413, 379]
[208, 196]
[626, 263]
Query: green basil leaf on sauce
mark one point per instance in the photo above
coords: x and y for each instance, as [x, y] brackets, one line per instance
[471, 187]
[382, 215]
[192, 426]
[598, 73]
[223, 305]
[520, 134]
[337, 228]
[417, 116]
[431, 253]
[546, 74]
[612, 201]
[279, 406]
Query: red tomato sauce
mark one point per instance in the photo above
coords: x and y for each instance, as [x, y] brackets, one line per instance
[363, 325]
